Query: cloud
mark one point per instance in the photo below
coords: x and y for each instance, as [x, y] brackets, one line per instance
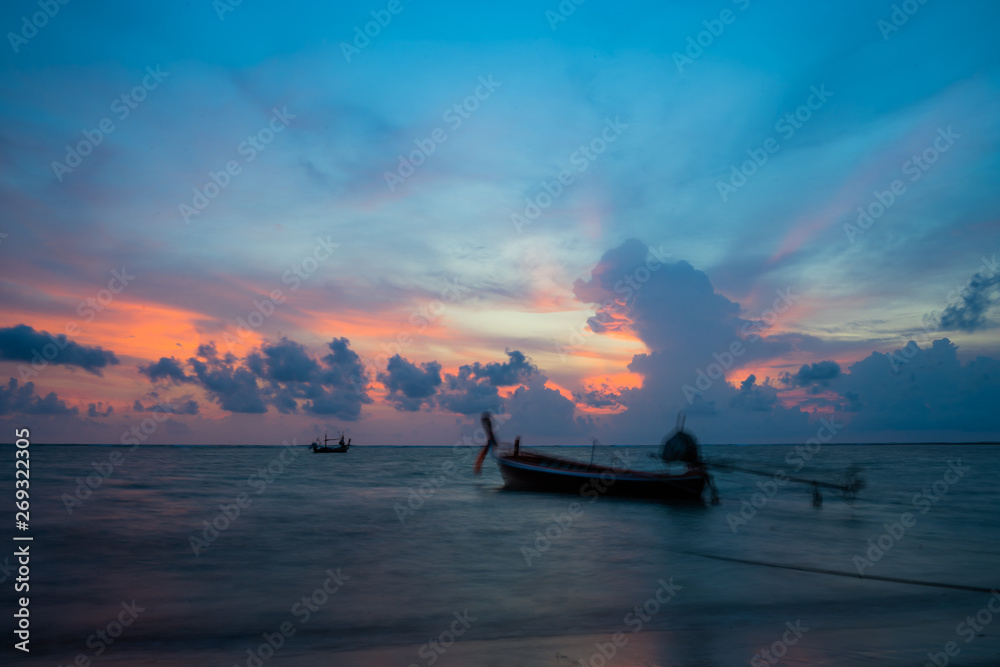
[690, 329]
[664, 304]
[287, 361]
[974, 302]
[687, 327]
[98, 409]
[23, 400]
[464, 395]
[538, 410]
[283, 375]
[167, 368]
[411, 387]
[234, 388]
[813, 375]
[599, 397]
[340, 386]
[514, 371]
[23, 343]
[757, 398]
[920, 389]
[181, 407]
[474, 388]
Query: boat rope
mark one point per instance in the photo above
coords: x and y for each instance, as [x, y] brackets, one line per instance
[848, 487]
[840, 573]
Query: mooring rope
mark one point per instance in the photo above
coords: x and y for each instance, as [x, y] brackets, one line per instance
[839, 573]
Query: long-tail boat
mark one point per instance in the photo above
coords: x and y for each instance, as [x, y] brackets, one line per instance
[325, 449]
[532, 471]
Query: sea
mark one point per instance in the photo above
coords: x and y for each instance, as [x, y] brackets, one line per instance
[251, 556]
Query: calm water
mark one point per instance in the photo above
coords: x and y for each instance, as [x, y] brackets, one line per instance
[405, 574]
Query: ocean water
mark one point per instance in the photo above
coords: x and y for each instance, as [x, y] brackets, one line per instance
[412, 547]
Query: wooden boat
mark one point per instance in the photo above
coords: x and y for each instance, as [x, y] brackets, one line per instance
[325, 449]
[531, 471]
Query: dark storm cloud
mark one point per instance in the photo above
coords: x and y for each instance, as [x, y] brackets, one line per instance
[410, 386]
[23, 343]
[23, 400]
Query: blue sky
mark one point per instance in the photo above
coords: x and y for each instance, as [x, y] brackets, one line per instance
[734, 140]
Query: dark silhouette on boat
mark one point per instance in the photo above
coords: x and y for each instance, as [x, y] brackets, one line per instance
[532, 471]
[325, 449]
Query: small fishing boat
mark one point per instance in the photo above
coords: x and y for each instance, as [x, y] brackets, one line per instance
[326, 449]
[532, 471]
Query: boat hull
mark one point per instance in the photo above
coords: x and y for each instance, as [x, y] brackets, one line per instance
[562, 476]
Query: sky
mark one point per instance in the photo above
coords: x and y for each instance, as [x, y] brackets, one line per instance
[245, 223]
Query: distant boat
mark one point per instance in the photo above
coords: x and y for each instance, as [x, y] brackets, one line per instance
[324, 449]
[531, 471]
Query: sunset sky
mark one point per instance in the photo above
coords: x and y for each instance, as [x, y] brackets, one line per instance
[266, 223]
